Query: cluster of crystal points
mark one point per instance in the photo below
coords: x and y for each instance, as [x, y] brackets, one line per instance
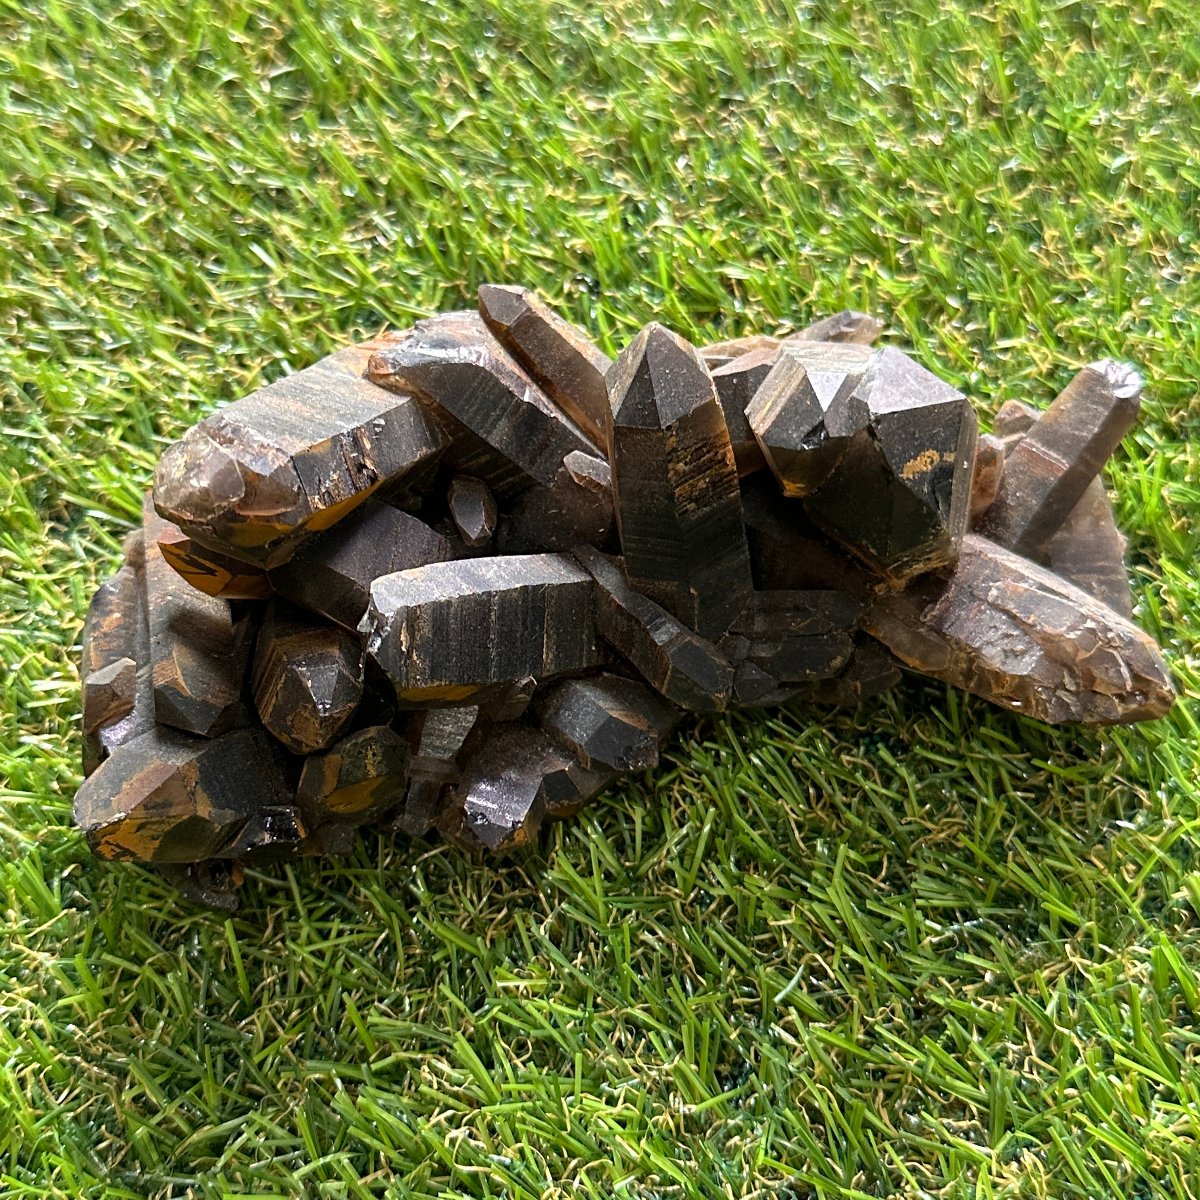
[462, 576]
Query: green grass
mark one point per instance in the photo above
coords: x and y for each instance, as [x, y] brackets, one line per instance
[924, 949]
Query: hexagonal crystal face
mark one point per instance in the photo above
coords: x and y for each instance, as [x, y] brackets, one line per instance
[899, 499]
[807, 409]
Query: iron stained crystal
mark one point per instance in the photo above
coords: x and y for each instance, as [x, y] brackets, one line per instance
[457, 580]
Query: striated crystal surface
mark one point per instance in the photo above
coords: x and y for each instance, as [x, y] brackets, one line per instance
[450, 631]
[569, 368]
[293, 458]
[675, 483]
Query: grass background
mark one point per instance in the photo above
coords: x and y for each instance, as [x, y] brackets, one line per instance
[924, 949]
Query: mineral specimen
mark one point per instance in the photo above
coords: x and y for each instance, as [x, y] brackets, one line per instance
[799, 636]
[118, 703]
[989, 475]
[679, 511]
[788, 552]
[845, 326]
[608, 721]
[473, 509]
[807, 409]
[558, 356]
[677, 662]
[274, 834]
[872, 669]
[212, 883]
[455, 362]
[1018, 635]
[1087, 549]
[210, 571]
[577, 506]
[110, 632]
[436, 737]
[721, 354]
[900, 496]
[109, 693]
[518, 778]
[307, 678]
[170, 797]
[357, 780]
[333, 573]
[198, 648]
[1049, 469]
[456, 580]
[737, 382]
[448, 632]
[292, 458]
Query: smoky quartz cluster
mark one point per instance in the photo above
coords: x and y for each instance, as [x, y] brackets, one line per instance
[459, 578]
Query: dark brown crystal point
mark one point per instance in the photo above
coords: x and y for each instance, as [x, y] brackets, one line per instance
[168, 797]
[455, 362]
[307, 680]
[607, 721]
[1087, 549]
[447, 632]
[806, 410]
[114, 667]
[848, 326]
[736, 384]
[510, 703]
[198, 652]
[292, 458]
[675, 484]
[566, 792]
[1012, 632]
[1050, 468]
[210, 571]
[356, 780]
[500, 803]
[436, 737]
[560, 358]
[473, 510]
[516, 779]
[332, 574]
[900, 497]
[678, 663]
[109, 694]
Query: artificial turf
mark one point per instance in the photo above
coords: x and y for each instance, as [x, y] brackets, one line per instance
[922, 949]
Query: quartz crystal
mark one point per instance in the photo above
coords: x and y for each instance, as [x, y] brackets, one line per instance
[457, 580]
